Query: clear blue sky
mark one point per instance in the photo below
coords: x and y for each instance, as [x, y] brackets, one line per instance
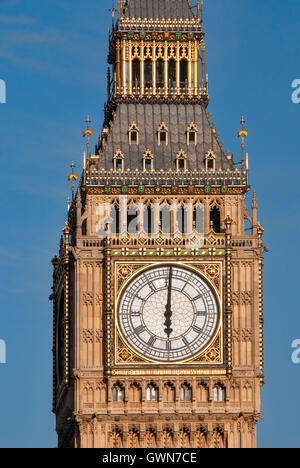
[53, 59]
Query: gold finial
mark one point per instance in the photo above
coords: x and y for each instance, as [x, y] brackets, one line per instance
[201, 12]
[88, 133]
[243, 134]
[73, 177]
[66, 231]
[228, 222]
[198, 9]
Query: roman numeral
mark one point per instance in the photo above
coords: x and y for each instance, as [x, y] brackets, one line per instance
[185, 341]
[198, 297]
[152, 341]
[139, 329]
[201, 313]
[197, 329]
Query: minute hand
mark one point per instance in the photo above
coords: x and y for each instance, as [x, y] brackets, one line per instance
[168, 313]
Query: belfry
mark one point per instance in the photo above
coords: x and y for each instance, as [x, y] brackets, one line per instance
[158, 286]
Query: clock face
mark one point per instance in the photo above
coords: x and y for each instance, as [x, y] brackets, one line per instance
[168, 313]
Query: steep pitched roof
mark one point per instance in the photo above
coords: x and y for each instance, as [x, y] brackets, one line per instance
[159, 9]
[148, 118]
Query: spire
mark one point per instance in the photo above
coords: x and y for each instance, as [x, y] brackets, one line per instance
[242, 134]
[73, 177]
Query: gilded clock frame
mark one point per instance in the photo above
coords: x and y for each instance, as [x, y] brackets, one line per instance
[126, 271]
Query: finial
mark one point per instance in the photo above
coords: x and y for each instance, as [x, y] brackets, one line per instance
[243, 134]
[113, 11]
[198, 9]
[73, 177]
[88, 133]
[203, 65]
[201, 12]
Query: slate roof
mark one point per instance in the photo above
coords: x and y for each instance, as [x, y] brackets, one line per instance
[159, 9]
[148, 118]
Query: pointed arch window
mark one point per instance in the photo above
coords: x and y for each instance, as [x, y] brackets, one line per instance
[118, 393]
[119, 161]
[210, 162]
[148, 73]
[133, 134]
[181, 162]
[136, 73]
[183, 73]
[185, 393]
[192, 134]
[160, 73]
[219, 393]
[163, 134]
[152, 393]
[148, 161]
[215, 219]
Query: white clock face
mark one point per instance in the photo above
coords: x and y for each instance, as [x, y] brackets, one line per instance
[168, 313]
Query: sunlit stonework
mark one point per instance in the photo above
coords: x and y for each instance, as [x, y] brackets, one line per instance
[157, 340]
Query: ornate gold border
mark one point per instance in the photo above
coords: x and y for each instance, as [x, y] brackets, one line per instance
[124, 272]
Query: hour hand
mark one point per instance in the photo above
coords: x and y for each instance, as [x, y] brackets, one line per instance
[168, 314]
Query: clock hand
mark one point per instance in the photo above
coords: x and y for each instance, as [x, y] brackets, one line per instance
[168, 313]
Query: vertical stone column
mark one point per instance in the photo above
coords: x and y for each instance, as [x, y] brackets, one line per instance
[166, 64]
[130, 67]
[228, 309]
[190, 67]
[154, 67]
[118, 48]
[142, 69]
[177, 67]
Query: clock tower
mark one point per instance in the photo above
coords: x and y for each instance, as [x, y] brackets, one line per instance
[157, 288]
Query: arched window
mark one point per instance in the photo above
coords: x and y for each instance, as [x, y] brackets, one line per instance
[148, 161]
[148, 73]
[136, 73]
[172, 74]
[192, 134]
[133, 134]
[152, 393]
[181, 162]
[148, 220]
[132, 219]
[118, 393]
[210, 162]
[215, 219]
[185, 393]
[219, 393]
[182, 219]
[119, 161]
[165, 219]
[162, 134]
[116, 217]
[160, 73]
[183, 73]
[198, 218]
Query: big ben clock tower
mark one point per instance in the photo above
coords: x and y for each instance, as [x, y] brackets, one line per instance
[157, 289]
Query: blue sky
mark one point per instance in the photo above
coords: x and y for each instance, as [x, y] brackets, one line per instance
[53, 60]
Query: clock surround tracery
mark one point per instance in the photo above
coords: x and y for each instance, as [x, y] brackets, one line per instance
[211, 273]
